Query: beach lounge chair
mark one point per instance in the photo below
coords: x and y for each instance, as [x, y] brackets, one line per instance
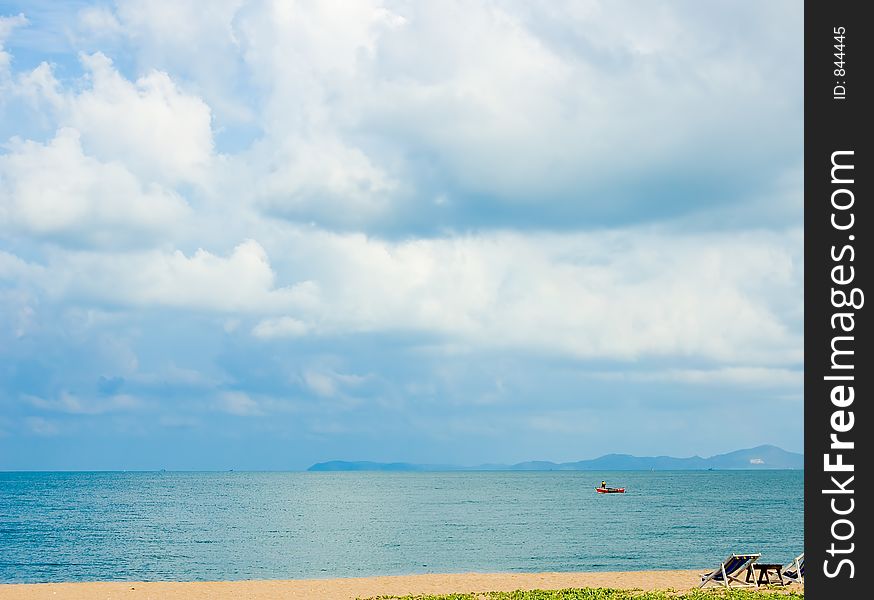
[729, 572]
[794, 571]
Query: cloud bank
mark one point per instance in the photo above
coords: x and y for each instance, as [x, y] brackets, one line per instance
[328, 229]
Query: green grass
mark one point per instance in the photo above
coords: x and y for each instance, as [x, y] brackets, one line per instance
[611, 594]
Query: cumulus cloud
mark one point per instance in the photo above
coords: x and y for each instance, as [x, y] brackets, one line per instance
[157, 130]
[243, 281]
[621, 294]
[322, 179]
[149, 124]
[498, 105]
[55, 191]
[162, 32]
[366, 113]
[264, 196]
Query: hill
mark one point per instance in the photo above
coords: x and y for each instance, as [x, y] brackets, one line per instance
[760, 457]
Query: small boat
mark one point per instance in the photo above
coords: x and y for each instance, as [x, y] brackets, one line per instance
[610, 490]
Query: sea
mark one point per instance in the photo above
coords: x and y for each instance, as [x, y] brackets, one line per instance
[149, 526]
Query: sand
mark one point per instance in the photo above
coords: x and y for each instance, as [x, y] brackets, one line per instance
[351, 588]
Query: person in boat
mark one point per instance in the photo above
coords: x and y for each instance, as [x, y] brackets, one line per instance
[604, 485]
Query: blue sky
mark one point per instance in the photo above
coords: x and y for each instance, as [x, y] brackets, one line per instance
[267, 234]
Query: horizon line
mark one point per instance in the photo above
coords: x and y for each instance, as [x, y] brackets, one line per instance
[464, 470]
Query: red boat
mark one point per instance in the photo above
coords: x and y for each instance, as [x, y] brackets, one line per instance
[601, 490]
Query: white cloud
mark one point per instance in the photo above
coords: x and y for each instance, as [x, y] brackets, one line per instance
[756, 377]
[321, 383]
[16, 305]
[152, 126]
[321, 178]
[7, 24]
[243, 281]
[621, 294]
[42, 90]
[239, 404]
[54, 190]
[330, 383]
[279, 327]
[99, 21]
[453, 182]
[67, 402]
[13, 268]
[509, 103]
[202, 46]
[158, 131]
[362, 108]
[364, 112]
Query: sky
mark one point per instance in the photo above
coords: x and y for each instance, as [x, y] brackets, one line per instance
[259, 235]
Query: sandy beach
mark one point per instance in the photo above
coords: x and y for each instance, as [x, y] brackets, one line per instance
[351, 588]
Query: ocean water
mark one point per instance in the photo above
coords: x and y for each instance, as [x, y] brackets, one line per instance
[216, 526]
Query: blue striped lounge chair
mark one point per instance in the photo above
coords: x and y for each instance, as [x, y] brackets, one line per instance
[794, 571]
[729, 572]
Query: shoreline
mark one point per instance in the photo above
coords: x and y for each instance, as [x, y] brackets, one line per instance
[356, 587]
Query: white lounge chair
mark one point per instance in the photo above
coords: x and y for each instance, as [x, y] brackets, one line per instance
[794, 571]
[729, 572]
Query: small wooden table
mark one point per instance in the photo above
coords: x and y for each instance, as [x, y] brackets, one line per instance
[762, 573]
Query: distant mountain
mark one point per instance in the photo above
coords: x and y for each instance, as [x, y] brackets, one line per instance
[760, 457]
